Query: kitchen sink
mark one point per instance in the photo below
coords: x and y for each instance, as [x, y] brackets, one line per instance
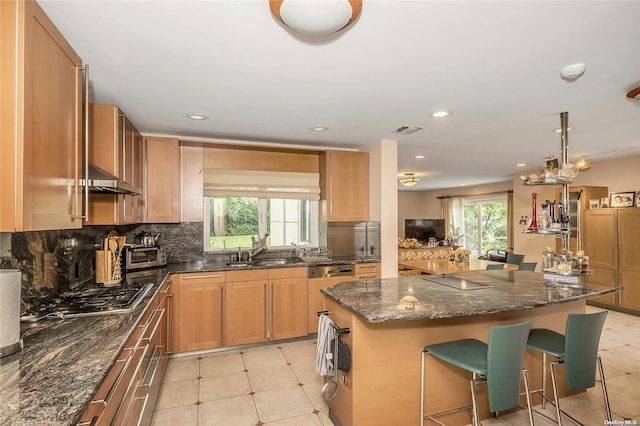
[238, 264]
[275, 262]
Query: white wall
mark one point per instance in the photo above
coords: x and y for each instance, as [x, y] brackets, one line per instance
[618, 175]
[383, 200]
[426, 205]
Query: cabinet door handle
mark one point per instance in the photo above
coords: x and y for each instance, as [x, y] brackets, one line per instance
[133, 378]
[155, 368]
[155, 327]
[170, 323]
[196, 277]
[223, 330]
[85, 111]
[266, 328]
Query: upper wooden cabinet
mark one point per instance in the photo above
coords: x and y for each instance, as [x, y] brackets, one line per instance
[191, 195]
[161, 180]
[116, 147]
[41, 123]
[576, 221]
[344, 186]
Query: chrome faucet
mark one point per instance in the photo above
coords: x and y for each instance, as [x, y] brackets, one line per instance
[257, 247]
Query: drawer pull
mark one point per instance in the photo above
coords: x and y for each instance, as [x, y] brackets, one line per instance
[155, 327]
[197, 277]
[115, 385]
[133, 379]
[153, 374]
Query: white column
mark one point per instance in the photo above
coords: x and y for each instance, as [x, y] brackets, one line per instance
[383, 200]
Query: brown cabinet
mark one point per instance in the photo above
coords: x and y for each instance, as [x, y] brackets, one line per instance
[367, 271]
[344, 186]
[246, 307]
[41, 123]
[116, 147]
[130, 390]
[611, 242]
[288, 294]
[315, 299]
[161, 180]
[199, 311]
[191, 172]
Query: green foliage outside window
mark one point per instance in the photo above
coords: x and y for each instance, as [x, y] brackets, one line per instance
[493, 226]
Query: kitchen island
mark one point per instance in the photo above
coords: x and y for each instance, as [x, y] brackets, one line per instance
[391, 320]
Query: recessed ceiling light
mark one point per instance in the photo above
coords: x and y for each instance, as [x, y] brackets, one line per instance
[319, 128]
[196, 116]
[521, 164]
[441, 114]
[419, 157]
[560, 130]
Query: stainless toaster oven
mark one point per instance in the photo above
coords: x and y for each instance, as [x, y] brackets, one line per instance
[140, 257]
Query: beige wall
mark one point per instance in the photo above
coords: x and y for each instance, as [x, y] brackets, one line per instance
[618, 175]
[426, 205]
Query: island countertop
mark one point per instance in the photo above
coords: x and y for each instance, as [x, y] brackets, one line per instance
[392, 299]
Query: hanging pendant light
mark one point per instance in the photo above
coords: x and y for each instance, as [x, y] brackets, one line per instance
[316, 17]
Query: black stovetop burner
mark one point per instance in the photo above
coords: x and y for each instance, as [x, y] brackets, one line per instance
[91, 301]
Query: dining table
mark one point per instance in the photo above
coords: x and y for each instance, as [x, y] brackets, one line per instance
[445, 266]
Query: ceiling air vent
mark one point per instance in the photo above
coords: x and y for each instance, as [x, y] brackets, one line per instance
[407, 130]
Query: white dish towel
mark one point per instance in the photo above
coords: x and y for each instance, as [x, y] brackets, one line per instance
[326, 333]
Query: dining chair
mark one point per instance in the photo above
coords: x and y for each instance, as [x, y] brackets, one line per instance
[528, 266]
[515, 259]
[498, 363]
[577, 349]
[495, 266]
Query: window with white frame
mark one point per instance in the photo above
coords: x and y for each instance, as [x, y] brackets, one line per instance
[230, 222]
[485, 223]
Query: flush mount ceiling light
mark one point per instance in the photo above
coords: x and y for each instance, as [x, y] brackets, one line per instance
[441, 114]
[409, 179]
[316, 17]
[319, 128]
[521, 164]
[196, 116]
[419, 157]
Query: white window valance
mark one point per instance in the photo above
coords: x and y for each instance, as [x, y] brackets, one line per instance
[261, 184]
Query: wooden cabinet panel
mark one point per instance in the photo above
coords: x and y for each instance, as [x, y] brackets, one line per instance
[41, 118]
[162, 180]
[288, 307]
[585, 193]
[199, 311]
[603, 278]
[629, 239]
[367, 271]
[191, 171]
[630, 296]
[246, 312]
[344, 186]
[315, 299]
[601, 238]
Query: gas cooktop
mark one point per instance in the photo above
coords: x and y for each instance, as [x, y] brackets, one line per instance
[91, 301]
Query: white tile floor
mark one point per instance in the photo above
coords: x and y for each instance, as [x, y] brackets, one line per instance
[276, 385]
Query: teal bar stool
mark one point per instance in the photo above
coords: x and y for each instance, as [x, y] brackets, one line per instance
[498, 363]
[577, 349]
[495, 266]
[515, 259]
[528, 266]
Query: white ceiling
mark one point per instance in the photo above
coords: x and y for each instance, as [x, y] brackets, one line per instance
[496, 65]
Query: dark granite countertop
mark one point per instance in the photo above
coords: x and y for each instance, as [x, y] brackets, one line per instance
[387, 300]
[63, 362]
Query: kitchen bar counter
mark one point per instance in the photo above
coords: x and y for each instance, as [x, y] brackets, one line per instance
[388, 332]
[385, 300]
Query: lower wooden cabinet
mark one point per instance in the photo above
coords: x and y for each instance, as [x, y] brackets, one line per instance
[246, 307]
[199, 308]
[315, 299]
[288, 294]
[367, 271]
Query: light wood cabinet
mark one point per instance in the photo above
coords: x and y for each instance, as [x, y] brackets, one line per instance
[41, 123]
[191, 172]
[611, 242]
[116, 147]
[161, 180]
[246, 307]
[344, 186]
[367, 271]
[288, 294]
[199, 311]
[315, 299]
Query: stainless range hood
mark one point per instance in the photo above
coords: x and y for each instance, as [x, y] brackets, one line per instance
[102, 181]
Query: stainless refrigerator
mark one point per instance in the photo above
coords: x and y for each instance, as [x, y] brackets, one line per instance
[351, 240]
